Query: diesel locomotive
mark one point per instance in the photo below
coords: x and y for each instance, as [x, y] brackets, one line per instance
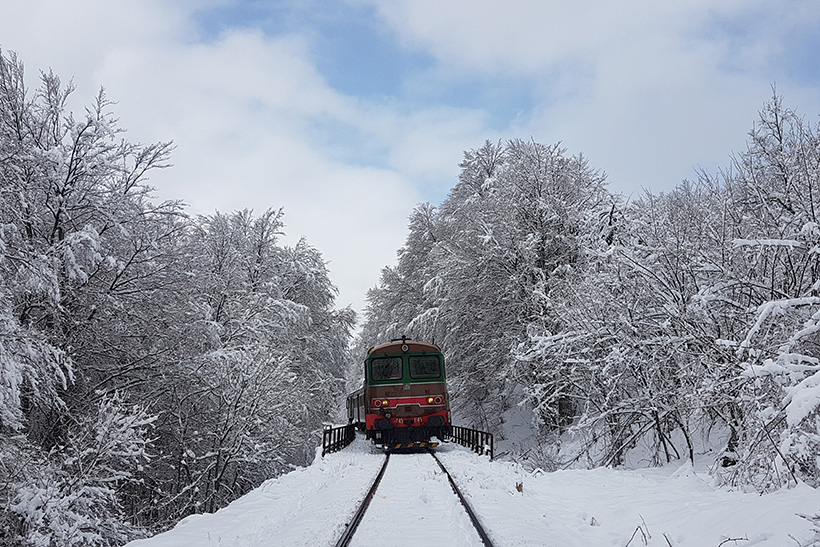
[403, 400]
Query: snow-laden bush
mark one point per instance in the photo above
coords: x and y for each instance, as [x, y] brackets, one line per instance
[30, 371]
[782, 396]
[71, 496]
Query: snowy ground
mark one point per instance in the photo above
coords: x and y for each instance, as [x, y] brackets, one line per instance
[416, 499]
[671, 506]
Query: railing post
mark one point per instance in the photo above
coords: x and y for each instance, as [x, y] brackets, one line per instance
[492, 447]
[475, 440]
[336, 438]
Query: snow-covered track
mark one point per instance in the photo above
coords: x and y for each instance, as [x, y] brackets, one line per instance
[419, 506]
[357, 518]
[473, 518]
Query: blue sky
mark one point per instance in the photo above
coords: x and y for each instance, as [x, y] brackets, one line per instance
[349, 113]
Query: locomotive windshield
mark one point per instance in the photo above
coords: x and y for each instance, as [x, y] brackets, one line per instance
[385, 368]
[425, 366]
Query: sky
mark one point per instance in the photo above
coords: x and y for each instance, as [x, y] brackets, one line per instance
[349, 113]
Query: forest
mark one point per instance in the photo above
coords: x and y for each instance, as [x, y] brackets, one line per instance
[155, 364]
[653, 321]
[152, 363]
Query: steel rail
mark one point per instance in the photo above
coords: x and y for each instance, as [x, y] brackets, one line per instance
[357, 518]
[473, 518]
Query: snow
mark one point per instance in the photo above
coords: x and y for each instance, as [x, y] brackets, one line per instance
[415, 497]
[677, 505]
[605, 507]
[791, 243]
[803, 399]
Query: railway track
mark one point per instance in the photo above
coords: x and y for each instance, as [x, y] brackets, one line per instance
[344, 541]
[412, 502]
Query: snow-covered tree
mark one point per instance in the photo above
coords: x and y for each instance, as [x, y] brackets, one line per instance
[649, 323]
[477, 274]
[266, 354]
[775, 187]
[226, 343]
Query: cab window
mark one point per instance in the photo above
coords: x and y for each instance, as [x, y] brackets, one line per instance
[425, 366]
[385, 368]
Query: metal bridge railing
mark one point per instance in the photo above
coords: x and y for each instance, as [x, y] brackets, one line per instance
[480, 442]
[336, 438]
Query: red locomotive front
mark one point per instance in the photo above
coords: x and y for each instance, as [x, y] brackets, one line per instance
[403, 402]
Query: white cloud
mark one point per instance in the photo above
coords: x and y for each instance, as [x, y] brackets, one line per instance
[647, 90]
[533, 35]
[74, 37]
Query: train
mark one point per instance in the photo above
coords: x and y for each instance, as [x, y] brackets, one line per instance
[403, 401]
